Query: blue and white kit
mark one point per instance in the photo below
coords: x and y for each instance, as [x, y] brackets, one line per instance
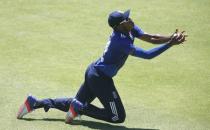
[98, 81]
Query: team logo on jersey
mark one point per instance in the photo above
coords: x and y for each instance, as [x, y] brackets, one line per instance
[130, 36]
[123, 36]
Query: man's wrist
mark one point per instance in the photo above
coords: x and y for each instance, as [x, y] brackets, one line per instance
[169, 43]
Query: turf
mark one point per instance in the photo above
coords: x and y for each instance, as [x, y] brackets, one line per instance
[45, 47]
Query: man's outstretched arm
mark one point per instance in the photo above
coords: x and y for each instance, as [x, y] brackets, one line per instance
[149, 54]
[157, 38]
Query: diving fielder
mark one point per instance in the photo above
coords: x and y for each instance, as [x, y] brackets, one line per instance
[98, 81]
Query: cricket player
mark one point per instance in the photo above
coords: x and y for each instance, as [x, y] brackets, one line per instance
[98, 82]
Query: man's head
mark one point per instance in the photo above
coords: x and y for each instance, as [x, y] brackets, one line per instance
[120, 21]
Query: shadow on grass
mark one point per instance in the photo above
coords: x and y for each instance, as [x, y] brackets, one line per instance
[105, 126]
[90, 124]
[43, 119]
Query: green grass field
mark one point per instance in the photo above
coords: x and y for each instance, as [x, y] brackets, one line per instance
[46, 45]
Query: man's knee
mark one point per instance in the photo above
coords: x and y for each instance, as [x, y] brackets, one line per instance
[117, 112]
[119, 118]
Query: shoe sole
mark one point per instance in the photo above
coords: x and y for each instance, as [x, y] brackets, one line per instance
[69, 119]
[71, 114]
[24, 109]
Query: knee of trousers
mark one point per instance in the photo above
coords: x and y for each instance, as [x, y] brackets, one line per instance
[118, 118]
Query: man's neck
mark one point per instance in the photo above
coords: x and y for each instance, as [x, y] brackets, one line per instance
[121, 31]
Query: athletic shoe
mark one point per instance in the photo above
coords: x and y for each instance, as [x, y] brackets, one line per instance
[73, 112]
[27, 106]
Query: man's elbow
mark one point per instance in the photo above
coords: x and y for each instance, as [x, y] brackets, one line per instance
[146, 55]
[149, 57]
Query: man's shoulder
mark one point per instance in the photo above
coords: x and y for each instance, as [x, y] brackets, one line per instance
[137, 31]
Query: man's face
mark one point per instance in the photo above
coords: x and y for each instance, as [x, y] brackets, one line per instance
[127, 25]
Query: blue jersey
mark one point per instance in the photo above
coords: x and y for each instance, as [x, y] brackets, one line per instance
[116, 51]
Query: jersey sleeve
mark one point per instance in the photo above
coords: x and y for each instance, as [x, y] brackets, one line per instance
[149, 54]
[137, 31]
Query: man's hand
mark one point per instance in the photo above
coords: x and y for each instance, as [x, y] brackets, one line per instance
[178, 37]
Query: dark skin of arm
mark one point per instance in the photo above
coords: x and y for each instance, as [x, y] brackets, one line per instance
[174, 39]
